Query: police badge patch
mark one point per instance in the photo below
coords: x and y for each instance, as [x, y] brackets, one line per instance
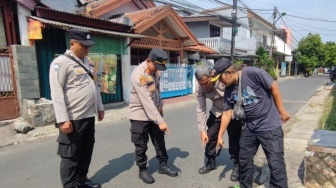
[57, 66]
[142, 81]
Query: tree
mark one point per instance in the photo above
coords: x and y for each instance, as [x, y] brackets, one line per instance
[311, 52]
[264, 62]
[329, 54]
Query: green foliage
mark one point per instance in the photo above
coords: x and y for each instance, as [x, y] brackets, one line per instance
[273, 74]
[238, 62]
[328, 118]
[311, 51]
[264, 62]
[329, 54]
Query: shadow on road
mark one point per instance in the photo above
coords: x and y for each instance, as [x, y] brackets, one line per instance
[224, 160]
[114, 168]
[173, 153]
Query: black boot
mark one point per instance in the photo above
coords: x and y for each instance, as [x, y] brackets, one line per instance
[146, 176]
[164, 169]
[210, 165]
[235, 172]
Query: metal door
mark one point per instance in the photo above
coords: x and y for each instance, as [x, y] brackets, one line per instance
[9, 105]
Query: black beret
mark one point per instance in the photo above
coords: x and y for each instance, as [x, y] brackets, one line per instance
[83, 36]
[159, 58]
[221, 65]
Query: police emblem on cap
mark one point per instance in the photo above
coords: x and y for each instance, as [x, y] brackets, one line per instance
[87, 36]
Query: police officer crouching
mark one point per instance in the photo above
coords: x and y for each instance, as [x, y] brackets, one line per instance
[145, 114]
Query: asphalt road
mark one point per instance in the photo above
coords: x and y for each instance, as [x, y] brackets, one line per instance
[36, 165]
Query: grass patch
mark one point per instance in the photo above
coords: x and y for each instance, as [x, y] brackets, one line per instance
[328, 118]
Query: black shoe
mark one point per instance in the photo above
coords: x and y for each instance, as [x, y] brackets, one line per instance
[146, 177]
[87, 184]
[207, 168]
[235, 173]
[164, 169]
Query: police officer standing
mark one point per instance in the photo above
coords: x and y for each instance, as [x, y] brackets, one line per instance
[213, 89]
[76, 101]
[145, 114]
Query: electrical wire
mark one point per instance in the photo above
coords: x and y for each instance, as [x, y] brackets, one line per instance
[312, 19]
[310, 31]
[287, 28]
[310, 26]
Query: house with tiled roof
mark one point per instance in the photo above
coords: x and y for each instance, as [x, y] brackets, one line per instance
[163, 28]
[124, 30]
[214, 27]
[38, 32]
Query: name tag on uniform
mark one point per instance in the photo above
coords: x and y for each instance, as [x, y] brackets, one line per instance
[79, 71]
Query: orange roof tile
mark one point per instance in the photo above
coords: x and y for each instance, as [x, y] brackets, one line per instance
[201, 48]
[138, 16]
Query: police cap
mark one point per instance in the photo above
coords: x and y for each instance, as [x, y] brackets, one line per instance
[83, 36]
[159, 58]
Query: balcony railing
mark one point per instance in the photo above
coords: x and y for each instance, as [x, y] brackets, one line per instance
[216, 43]
[223, 46]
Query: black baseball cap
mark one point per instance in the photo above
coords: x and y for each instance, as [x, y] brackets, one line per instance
[159, 58]
[221, 65]
[83, 36]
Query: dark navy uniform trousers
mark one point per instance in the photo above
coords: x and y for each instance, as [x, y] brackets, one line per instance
[76, 150]
[273, 146]
[234, 130]
[141, 130]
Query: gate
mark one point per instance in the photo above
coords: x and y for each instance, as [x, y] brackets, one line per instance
[176, 81]
[9, 106]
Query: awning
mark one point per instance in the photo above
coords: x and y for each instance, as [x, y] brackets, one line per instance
[67, 26]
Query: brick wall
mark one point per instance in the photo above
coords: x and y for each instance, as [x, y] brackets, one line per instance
[3, 41]
[26, 72]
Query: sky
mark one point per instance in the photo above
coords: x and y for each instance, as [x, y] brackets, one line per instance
[318, 16]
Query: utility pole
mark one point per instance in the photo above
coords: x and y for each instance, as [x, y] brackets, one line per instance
[275, 12]
[234, 28]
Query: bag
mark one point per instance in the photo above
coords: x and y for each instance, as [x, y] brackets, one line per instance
[238, 110]
[80, 64]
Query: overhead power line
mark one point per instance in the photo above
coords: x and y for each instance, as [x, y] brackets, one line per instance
[323, 29]
[309, 30]
[312, 19]
[288, 28]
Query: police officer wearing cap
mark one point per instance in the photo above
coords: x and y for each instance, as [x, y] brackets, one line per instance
[264, 116]
[209, 87]
[146, 114]
[76, 100]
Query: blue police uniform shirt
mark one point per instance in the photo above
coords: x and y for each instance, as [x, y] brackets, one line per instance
[260, 110]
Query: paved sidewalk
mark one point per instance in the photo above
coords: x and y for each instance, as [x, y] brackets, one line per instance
[113, 113]
[297, 133]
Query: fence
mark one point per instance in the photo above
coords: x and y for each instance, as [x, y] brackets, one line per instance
[176, 81]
